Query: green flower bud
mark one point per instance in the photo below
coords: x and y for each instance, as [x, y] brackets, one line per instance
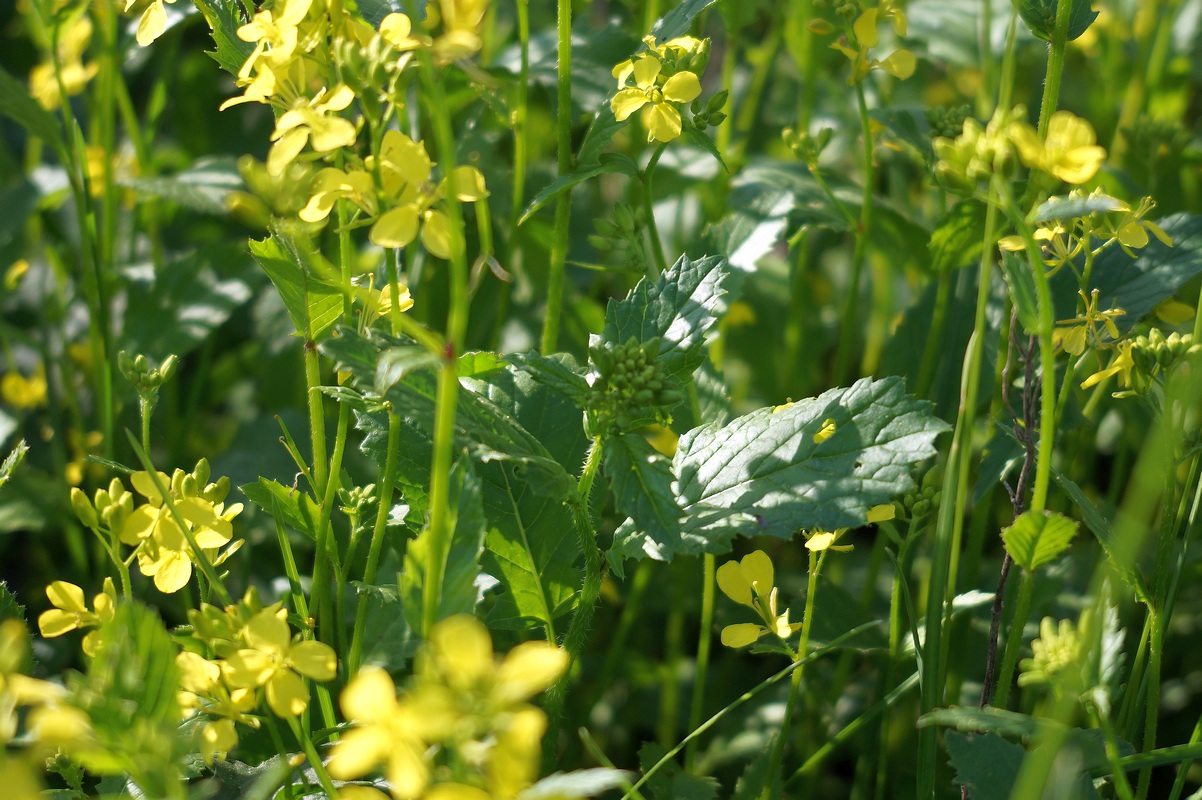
[140, 364]
[84, 509]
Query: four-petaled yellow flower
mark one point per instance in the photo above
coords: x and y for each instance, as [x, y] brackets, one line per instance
[272, 660]
[664, 122]
[749, 583]
[900, 64]
[203, 691]
[73, 41]
[1076, 332]
[820, 540]
[71, 613]
[1122, 365]
[24, 393]
[314, 121]
[1069, 151]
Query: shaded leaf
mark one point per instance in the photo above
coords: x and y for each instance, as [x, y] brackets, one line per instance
[986, 763]
[706, 143]
[1065, 207]
[641, 478]
[457, 561]
[389, 642]
[224, 18]
[1040, 16]
[1038, 538]
[202, 187]
[21, 108]
[9, 607]
[679, 20]
[297, 509]
[609, 163]
[1020, 284]
[909, 125]
[956, 240]
[558, 372]
[670, 782]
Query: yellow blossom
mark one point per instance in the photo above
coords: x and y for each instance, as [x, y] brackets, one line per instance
[274, 32]
[313, 121]
[70, 613]
[17, 689]
[820, 540]
[153, 21]
[203, 691]
[1121, 365]
[73, 41]
[664, 121]
[1075, 333]
[1069, 151]
[750, 583]
[24, 393]
[900, 64]
[272, 660]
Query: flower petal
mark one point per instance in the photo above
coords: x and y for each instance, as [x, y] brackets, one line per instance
[742, 634]
[56, 622]
[358, 752]
[287, 694]
[436, 234]
[529, 668]
[395, 228]
[626, 102]
[646, 70]
[370, 696]
[267, 632]
[733, 584]
[665, 124]
[66, 596]
[314, 660]
[683, 87]
[757, 570]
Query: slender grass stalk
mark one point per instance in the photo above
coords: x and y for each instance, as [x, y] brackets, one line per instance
[317, 422]
[319, 768]
[657, 264]
[847, 318]
[1014, 640]
[950, 521]
[563, 204]
[704, 641]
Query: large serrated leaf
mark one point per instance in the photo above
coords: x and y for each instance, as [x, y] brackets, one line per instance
[758, 217]
[558, 372]
[986, 764]
[17, 105]
[1038, 538]
[314, 305]
[457, 562]
[641, 481]
[956, 240]
[766, 473]
[297, 510]
[678, 308]
[224, 20]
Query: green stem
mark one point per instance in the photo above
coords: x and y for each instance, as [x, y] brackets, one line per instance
[1014, 640]
[317, 422]
[314, 757]
[1183, 770]
[858, 257]
[1055, 70]
[704, 639]
[327, 551]
[563, 205]
[387, 479]
[658, 263]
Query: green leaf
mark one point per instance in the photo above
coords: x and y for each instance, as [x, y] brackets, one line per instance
[1038, 538]
[129, 693]
[679, 20]
[175, 309]
[908, 125]
[765, 474]
[641, 478]
[202, 187]
[986, 763]
[457, 562]
[758, 218]
[679, 308]
[313, 304]
[1122, 560]
[956, 240]
[1139, 285]
[600, 133]
[670, 782]
[1040, 16]
[1020, 284]
[1063, 207]
[238, 781]
[706, 143]
[9, 607]
[224, 18]
[558, 372]
[574, 785]
[389, 642]
[985, 720]
[297, 508]
[610, 163]
[12, 461]
[21, 108]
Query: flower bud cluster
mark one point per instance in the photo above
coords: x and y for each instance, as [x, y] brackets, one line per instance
[1155, 352]
[371, 70]
[925, 499]
[631, 388]
[622, 236]
[221, 629]
[947, 122]
[709, 114]
[137, 370]
[108, 508]
[808, 147]
[978, 153]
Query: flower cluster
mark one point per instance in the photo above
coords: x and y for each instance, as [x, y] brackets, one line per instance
[74, 37]
[465, 715]
[659, 79]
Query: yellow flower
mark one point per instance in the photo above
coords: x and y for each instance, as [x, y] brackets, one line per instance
[387, 732]
[1059, 246]
[272, 660]
[1069, 151]
[900, 64]
[153, 21]
[331, 185]
[405, 169]
[820, 540]
[397, 30]
[19, 779]
[72, 43]
[313, 121]
[1131, 229]
[274, 32]
[750, 583]
[70, 612]
[460, 37]
[1121, 365]
[664, 122]
[384, 301]
[1087, 327]
[162, 547]
[24, 393]
[16, 689]
[203, 691]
